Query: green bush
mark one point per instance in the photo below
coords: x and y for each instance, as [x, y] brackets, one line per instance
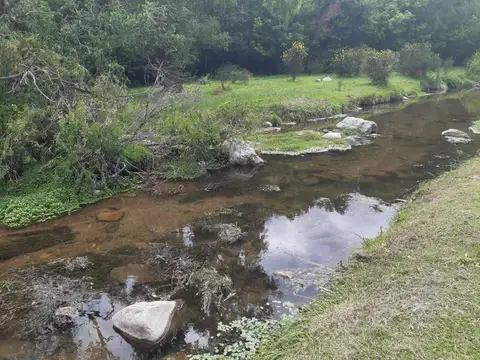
[294, 57]
[349, 62]
[240, 74]
[418, 59]
[473, 65]
[138, 155]
[379, 65]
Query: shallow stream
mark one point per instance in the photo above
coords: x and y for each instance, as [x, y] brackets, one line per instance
[327, 205]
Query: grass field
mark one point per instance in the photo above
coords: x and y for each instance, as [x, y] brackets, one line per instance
[415, 292]
[265, 91]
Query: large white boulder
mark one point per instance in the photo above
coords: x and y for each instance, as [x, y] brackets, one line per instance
[241, 153]
[358, 125]
[148, 324]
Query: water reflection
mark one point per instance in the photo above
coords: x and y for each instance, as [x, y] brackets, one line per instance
[325, 234]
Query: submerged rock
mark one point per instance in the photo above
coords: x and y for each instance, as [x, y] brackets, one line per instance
[241, 153]
[358, 124]
[269, 188]
[358, 140]
[139, 273]
[229, 233]
[110, 215]
[455, 133]
[148, 324]
[66, 315]
[457, 140]
[455, 136]
[300, 279]
[332, 135]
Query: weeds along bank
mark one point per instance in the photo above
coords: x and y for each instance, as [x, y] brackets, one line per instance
[413, 291]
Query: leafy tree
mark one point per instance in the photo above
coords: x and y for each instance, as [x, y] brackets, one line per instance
[379, 65]
[294, 58]
[473, 65]
[417, 59]
[349, 62]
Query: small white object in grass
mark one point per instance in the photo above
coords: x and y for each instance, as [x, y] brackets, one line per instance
[327, 79]
[332, 135]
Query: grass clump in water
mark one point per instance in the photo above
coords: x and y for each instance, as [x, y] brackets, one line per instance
[416, 293]
[296, 142]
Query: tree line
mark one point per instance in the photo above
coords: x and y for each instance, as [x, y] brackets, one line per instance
[201, 35]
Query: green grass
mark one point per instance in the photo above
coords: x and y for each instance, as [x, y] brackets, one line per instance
[293, 101]
[31, 200]
[294, 142]
[415, 292]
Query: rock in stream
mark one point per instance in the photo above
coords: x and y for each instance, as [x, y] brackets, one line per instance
[148, 324]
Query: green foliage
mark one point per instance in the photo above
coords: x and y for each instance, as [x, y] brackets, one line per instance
[272, 118]
[379, 65]
[241, 338]
[138, 155]
[473, 65]
[239, 74]
[349, 62]
[418, 59]
[39, 198]
[294, 57]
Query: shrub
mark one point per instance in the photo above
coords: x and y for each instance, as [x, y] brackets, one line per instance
[233, 73]
[418, 59]
[240, 74]
[224, 74]
[294, 57]
[379, 64]
[473, 65]
[349, 62]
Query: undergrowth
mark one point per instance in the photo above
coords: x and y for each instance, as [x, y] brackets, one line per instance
[28, 201]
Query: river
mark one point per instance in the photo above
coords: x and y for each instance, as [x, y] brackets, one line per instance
[326, 206]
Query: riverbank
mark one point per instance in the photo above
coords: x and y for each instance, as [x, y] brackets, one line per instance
[189, 140]
[412, 292]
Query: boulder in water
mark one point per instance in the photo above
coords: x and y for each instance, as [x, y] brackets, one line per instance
[358, 125]
[241, 153]
[148, 324]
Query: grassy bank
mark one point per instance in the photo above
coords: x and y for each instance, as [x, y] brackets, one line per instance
[415, 292]
[304, 98]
